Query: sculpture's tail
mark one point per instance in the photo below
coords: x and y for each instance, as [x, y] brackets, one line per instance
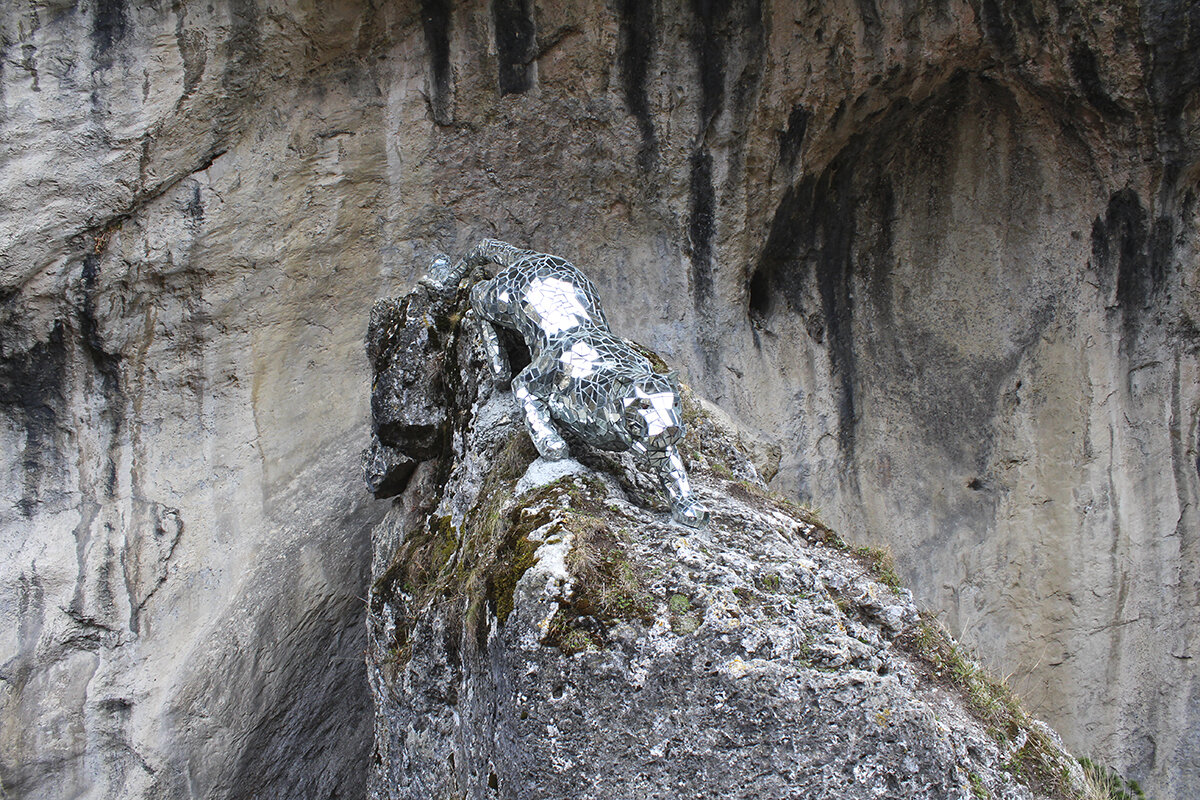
[444, 273]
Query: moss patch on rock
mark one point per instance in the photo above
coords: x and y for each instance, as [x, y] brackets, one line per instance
[470, 568]
[1035, 758]
[608, 587]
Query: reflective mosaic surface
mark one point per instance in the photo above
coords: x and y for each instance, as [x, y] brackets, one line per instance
[582, 377]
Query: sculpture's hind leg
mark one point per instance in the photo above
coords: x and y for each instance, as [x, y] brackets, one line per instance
[542, 431]
[483, 301]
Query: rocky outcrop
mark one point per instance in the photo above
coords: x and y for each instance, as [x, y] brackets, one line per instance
[542, 629]
[945, 254]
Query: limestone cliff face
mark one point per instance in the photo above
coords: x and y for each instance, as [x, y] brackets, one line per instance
[190, 233]
[946, 253]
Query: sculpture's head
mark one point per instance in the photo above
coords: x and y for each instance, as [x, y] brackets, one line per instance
[652, 414]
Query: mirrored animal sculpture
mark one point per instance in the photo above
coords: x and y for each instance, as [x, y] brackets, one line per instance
[581, 376]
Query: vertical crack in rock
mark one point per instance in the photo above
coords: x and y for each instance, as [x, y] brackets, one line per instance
[435, 19]
[146, 566]
[516, 44]
[636, 51]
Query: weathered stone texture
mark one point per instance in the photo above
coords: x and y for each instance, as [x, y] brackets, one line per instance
[535, 634]
[946, 252]
[186, 260]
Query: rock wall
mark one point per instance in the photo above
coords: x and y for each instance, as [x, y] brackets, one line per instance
[945, 252]
[190, 242]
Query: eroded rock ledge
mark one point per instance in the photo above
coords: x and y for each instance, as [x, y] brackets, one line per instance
[544, 630]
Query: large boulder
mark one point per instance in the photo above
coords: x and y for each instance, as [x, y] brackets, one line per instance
[543, 630]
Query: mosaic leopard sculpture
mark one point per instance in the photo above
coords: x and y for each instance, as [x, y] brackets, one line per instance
[581, 375]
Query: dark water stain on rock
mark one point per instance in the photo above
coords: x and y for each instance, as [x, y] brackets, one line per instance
[635, 53]
[745, 47]
[32, 396]
[810, 246]
[515, 44]
[195, 206]
[828, 259]
[1131, 255]
[710, 58]
[109, 22]
[435, 21]
[193, 52]
[244, 47]
[791, 138]
[996, 26]
[1086, 72]
[702, 227]
[107, 366]
[727, 36]
[1173, 30]
[868, 12]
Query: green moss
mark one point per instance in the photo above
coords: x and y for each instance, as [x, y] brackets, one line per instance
[608, 586]
[722, 471]
[881, 564]
[684, 618]
[516, 557]
[467, 570]
[804, 651]
[977, 787]
[569, 638]
[769, 582]
[746, 595]
[679, 604]
[1039, 762]
[1109, 783]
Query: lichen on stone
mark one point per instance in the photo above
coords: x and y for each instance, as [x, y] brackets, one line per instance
[532, 630]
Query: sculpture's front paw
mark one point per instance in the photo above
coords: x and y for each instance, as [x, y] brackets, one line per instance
[690, 513]
[551, 449]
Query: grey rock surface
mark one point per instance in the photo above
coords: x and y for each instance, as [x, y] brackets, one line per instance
[568, 641]
[948, 257]
[184, 282]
